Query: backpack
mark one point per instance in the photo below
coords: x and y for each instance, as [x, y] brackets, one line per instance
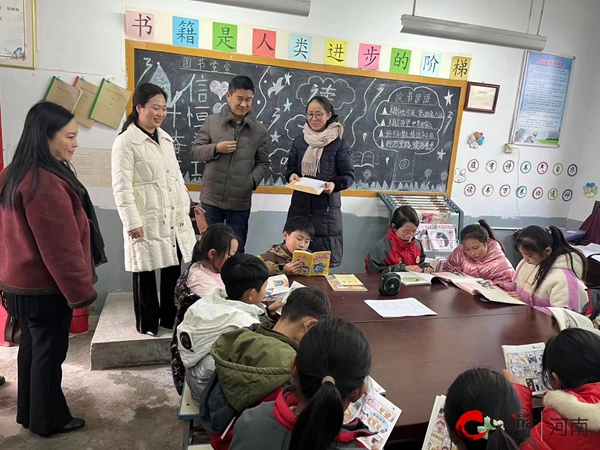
[592, 308]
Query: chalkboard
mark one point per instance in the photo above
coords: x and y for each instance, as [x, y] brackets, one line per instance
[402, 133]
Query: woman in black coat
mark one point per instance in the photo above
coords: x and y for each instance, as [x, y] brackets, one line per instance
[322, 153]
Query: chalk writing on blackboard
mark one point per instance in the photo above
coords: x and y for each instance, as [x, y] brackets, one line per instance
[401, 133]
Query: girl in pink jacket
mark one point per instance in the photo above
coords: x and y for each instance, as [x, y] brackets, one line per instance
[480, 255]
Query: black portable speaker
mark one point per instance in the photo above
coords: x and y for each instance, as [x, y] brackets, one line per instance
[389, 284]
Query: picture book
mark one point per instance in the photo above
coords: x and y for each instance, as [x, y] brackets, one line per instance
[314, 264]
[295, 285]
[525, 364]
[377, 412]
[437, 435]
[570, 319]
[422, 279]
[487, 290]
[345, 283]
[442, 237]
[277, 287]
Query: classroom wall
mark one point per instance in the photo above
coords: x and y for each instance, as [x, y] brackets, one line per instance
[89, 41]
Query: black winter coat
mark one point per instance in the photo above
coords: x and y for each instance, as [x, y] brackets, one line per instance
[324, 211]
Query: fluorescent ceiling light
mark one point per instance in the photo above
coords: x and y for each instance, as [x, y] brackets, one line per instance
[294, 7]
[458, 31]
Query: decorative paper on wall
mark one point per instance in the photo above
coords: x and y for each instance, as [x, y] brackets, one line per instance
[505, 190]
[335, 52]
[491, 166]
[590, 190]
[557, 169]
[139, 25]
[186, 32]
[525, 167]
[542, 168]
[225, 37]
[487, 190]
[572, 170]
[17, 33]
[460, 175]
[264, 42]
[537, 193]
[521, 191]
[543, 98]
[300, 47]
[400, 61]
[368, 56]
[553, 194]
[473, 166]
[567, 195]
[508, 166]
[459, 70]
[430, 64]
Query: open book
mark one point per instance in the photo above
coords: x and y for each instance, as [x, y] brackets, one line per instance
[473, 286]
[314, 264]
[277, 287]
[295, 285]
[570, 319]
[437, 436]
[375, 411]
[308, 185]
[525, 364]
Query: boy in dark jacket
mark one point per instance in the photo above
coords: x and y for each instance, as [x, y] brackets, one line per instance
[398, 250]
[253, 364]
[297, 234]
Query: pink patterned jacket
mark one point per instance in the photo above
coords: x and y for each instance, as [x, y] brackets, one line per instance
[494, 266]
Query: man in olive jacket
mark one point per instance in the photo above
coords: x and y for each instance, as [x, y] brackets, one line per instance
[253, 364]
[233, 146]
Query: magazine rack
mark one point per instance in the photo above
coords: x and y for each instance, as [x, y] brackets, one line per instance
[436, 204]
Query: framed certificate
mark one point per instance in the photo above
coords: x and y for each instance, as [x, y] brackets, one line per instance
[17, 33]
[482, 97]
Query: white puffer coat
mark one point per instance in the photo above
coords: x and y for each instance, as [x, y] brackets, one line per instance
[150, 191]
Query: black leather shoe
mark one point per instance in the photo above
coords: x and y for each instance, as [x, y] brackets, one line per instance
[2, 380]
[74, 425]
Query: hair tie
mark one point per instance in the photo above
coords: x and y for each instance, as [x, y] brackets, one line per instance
[548, 230]
[328, 379]
[489, 425]
[477, 223]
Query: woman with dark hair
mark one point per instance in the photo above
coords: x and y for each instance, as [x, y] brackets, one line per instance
[480, 255]
[50, 244]
[551, 272]
[154, 206]
[323, 154]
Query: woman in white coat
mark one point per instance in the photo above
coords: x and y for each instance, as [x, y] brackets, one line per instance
[154, 206]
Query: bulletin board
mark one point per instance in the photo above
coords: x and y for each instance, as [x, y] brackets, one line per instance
[403, 130]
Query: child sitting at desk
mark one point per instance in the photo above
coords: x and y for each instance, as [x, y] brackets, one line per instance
[551, 271]
[571, 415]
[298, 232]
[480, 255]
[238, 305]
[398, 250]
[329, 370]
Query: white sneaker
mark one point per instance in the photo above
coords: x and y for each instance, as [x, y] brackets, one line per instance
[150, 333]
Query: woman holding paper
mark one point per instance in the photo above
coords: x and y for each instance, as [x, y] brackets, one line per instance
[154, 206]
[321, 153]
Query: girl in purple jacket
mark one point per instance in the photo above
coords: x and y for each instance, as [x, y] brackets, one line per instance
[480, 255]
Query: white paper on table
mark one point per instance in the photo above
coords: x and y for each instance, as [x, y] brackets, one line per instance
[404, 307]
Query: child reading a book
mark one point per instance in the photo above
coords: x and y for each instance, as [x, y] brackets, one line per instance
[238, 305]
[571, 417]
[298, 232]
[329, 370]
[480, 255]
[218, 243]
[497, 423]
[252, 365]
[551, 271]
[398, 250]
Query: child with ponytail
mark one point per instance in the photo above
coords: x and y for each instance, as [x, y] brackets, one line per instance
[480, 255]
[483, 412]
[329, 370]
[551, 272]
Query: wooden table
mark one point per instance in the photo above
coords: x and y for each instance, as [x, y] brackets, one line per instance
[417, 358]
